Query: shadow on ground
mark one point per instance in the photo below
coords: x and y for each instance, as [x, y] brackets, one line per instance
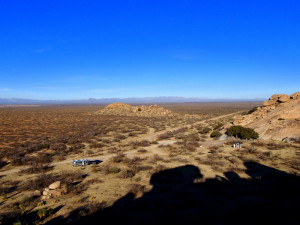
[269, 197]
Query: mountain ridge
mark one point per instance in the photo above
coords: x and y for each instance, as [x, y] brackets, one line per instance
[167, 99]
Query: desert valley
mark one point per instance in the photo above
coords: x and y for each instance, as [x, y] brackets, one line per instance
[194, 163]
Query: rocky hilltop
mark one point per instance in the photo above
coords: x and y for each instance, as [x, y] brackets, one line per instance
[277, 119]
[121, 109]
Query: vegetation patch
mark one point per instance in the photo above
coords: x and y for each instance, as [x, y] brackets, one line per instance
[242, 132]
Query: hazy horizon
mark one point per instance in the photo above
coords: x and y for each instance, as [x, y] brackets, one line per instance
[63, 50]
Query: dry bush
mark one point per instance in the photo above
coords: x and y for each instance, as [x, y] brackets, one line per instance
[233, 160]
[143, 143]
[213, 149]
[245, 158]
[257, 143]
[118, 158]
[133, 161]
[165, 135]
[235, 169]
[159, 168]
[137, 169]
[142, 150]
[36, 169]
[108, 169]
[295, 140]
[96, 145]
[204, 130]
[157, 158]
[182, 160]
[136, 189]
[88, 209]
[275, 146]
[58, 146]
[250, 150]
[170, 134]
[127, 173]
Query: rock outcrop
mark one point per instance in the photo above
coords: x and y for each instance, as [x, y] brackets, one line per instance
[278, 118]
[54, 190]
[121, 109]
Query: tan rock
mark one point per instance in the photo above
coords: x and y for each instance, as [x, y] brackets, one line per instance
[274, 97]
[54, 185]
[295, 95]
[45, 192]
[54, 193]
[267, 121]
[37, 193]
[268, 103]
[284, 98]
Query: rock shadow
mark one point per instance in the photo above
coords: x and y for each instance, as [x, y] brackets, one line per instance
[180, 197]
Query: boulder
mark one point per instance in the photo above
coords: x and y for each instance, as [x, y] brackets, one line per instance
[54, 193]
[274, 97]
[284, 98]
[295, 95]
[269, 102]
[54, 185]
[45, 193]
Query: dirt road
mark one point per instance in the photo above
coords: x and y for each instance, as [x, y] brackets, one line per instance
[149, 137]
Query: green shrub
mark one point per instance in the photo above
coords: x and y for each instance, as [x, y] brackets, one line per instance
[253, 110]
[43, 213]
[218, 126]
[242, 132]
[215, 134]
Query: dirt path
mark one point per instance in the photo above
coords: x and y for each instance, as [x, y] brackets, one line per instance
[153, 136]
[149, 137]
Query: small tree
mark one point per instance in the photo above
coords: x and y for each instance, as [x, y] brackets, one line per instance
[215, 134]
[242, 132]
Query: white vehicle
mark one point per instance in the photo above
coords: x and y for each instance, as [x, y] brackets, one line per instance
[81, 162]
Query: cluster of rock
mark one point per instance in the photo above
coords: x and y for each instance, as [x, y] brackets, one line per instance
[279, 98]
[54, 190]
[277, 119]
[121, 109]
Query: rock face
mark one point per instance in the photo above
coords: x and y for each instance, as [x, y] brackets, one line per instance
[122, 109]
[278, 118]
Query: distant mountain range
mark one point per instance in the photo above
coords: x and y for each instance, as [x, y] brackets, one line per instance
[93, 101]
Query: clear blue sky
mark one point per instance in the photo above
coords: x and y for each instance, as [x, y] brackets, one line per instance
[70, 49]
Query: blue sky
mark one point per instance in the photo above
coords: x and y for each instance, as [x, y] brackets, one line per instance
[72, 49]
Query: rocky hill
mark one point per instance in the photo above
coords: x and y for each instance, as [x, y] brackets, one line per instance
[277, 119]
[121, 109]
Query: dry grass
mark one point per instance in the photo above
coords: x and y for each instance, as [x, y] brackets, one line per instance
[130, 159]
